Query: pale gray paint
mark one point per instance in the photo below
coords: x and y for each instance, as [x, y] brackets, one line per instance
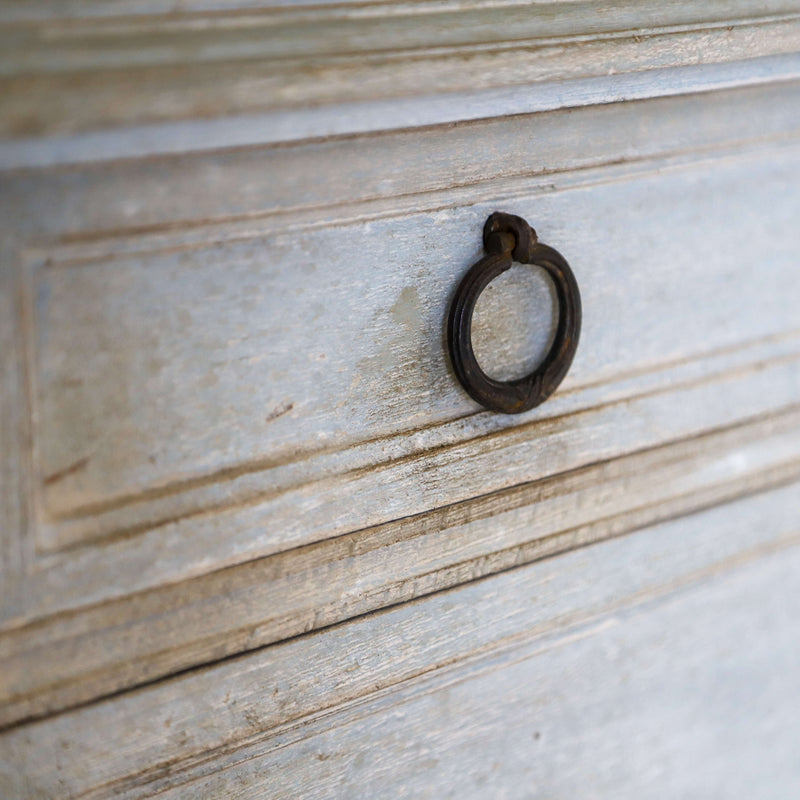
[665, 663]
[185, 481]
[88, 72]
[115, 645]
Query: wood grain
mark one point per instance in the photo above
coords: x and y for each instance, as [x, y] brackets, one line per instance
[247, 359]
[13, 427]
[644, 663]
[77, 657]
[215, 364]
[255, 541]
[80, 71]
[404, 168]
[237, 476]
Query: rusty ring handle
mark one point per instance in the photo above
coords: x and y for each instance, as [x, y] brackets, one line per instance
[506, 239]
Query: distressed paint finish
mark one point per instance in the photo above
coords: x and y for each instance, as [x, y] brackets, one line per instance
[76, 657]
[237, 473]
[201, 436]
[259, 358]
[114, 226]
[639, 666]
[78, 70]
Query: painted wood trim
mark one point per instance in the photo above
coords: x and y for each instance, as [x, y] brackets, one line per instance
[193, 735]
[308, 12]
[73, 658]
[87, 206]
[355, 118]
[67, 76]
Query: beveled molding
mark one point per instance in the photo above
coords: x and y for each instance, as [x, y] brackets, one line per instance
[251, 724]
[345, 68]
[80, 656]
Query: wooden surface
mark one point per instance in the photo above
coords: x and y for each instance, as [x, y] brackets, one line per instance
[69, 659]
[221, 360]
[257, 379]
[146, 451]
[76, 74]
[254, 538]
[664, 663]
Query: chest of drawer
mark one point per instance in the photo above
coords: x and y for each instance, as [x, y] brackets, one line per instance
[229, 412]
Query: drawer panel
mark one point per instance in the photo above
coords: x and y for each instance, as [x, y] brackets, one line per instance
[624, 666]
[243, 386]
[226, 372]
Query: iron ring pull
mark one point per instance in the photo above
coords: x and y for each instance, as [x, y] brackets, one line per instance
[506, 239]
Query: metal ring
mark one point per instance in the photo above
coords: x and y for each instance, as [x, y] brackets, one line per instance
[506, 239]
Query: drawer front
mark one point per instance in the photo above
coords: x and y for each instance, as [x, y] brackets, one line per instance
[229, 373]
[215, 381]
[202, 377]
